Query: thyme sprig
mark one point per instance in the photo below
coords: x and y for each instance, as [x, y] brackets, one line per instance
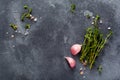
[94, 42]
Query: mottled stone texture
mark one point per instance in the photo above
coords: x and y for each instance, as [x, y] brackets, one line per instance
[40, 55]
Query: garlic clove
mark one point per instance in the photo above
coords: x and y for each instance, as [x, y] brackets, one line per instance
[71, 61]
[75, 49]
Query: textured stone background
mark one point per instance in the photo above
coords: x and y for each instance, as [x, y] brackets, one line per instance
[40, 55]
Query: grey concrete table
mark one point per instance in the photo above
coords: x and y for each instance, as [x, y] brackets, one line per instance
[40, 55]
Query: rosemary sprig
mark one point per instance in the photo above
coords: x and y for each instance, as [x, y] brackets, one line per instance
[93, 43]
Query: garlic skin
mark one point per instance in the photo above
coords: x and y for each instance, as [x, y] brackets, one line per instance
[71, 61]
[75, 49]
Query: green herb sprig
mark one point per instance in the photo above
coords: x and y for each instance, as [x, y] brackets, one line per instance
[94, 42]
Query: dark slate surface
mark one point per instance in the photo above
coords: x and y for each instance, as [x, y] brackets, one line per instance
[40, 55]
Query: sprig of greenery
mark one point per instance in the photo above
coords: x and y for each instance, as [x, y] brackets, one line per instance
[94, 42]
[23, 16]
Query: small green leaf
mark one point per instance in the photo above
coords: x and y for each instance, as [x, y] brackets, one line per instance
[23, 16]
[13, 26]
[88, 16]
[30, 10]
[97, 17]
[99, 68]
[25, 6]
[27, 26]
[27, 15]
[73, 7]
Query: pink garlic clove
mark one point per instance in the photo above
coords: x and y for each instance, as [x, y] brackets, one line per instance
[75, 49]
[71, 61]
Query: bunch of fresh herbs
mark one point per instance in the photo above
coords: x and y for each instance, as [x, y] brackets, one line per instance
[94, 42]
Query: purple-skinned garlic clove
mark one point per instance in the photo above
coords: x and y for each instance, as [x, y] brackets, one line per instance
[71, 62]
[75, 49]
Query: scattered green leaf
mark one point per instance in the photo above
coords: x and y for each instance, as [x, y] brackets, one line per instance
[27, 26]
[88, 16]
[13, 26]
[30, 10]
[25, 6]
[73, 7]
[27, 15]
[23, 16]
[99, 69]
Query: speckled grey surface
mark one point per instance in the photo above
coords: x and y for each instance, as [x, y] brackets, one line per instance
[40, 55]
